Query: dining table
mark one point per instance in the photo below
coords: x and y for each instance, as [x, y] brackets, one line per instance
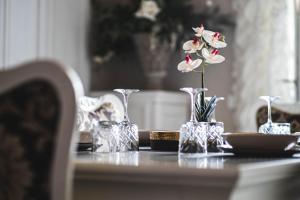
[155, 175]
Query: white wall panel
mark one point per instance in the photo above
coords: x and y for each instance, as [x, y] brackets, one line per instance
[21, 31]
[2, 32]
[37, 29]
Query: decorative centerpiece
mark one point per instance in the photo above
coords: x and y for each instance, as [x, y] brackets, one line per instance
[193, 137]
[200, 52]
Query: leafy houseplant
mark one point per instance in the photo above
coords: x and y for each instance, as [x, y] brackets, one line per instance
[158, 28]
[202, 51]
[113, 26]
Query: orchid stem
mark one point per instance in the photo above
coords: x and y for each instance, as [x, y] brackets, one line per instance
[202, 103]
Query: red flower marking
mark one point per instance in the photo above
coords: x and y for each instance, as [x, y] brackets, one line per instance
[217, 35]
[188, 58]
[195, 41]
[215, 52]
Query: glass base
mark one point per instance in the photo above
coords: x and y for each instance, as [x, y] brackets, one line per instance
[129, 138]
[275, 128]
[105, 137]
[214, 136]
[193, 137]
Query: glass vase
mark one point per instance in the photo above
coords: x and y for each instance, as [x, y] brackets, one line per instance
[192, 138]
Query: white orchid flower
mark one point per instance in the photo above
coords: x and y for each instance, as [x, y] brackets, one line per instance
[188, 64]
[148, 9]
[199, 31]
[212, 57]
[213, 39]
[192, 46]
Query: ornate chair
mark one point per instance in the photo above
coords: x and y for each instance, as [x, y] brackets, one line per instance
[278, 115]
[37, 113]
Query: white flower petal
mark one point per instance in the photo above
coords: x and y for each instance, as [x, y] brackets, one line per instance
[187, 46]
[205, 53]
[196, 63]
[207, 32]
[208, 37]
[196, 29]
[184, 67]
[218, 44]
[215, 59]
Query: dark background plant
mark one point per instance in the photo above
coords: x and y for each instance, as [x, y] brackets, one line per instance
[113, 27]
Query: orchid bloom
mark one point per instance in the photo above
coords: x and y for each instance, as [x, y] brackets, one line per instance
[199, 31]
[149, 10]
[213, 39]
[212, 57]
[192, 46]
[188, 64]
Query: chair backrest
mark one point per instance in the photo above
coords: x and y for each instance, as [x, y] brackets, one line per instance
[278, 115]
[37, 115]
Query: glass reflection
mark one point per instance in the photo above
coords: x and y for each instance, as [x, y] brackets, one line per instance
[200, 162]
[118, 158]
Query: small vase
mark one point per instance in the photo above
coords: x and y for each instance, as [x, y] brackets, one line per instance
[154, 57]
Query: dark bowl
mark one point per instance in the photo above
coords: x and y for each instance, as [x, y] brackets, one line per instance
[164, 140]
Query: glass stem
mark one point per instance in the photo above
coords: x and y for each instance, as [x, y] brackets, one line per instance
[125, 99]
[269, 112]
[213, 116]
[193, 100]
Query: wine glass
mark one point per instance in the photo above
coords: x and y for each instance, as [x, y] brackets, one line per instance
[192, 137]
[270, 127]
[215, 129]
[129, 138]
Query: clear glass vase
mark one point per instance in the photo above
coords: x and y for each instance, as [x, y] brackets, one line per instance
[193, 138]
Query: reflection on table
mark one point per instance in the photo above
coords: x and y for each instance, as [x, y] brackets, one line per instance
[169, 175]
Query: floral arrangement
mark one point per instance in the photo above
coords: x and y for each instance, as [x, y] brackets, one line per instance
[202, 51]
[148, 10]
[114, 27]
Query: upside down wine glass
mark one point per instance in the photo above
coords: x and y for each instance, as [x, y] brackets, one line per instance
[129, 138]
[193, 137]
[270, 127]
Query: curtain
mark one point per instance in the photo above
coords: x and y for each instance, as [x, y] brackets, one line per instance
[264, 57]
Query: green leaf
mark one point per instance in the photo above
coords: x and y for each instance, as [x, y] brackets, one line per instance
[204, 109]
